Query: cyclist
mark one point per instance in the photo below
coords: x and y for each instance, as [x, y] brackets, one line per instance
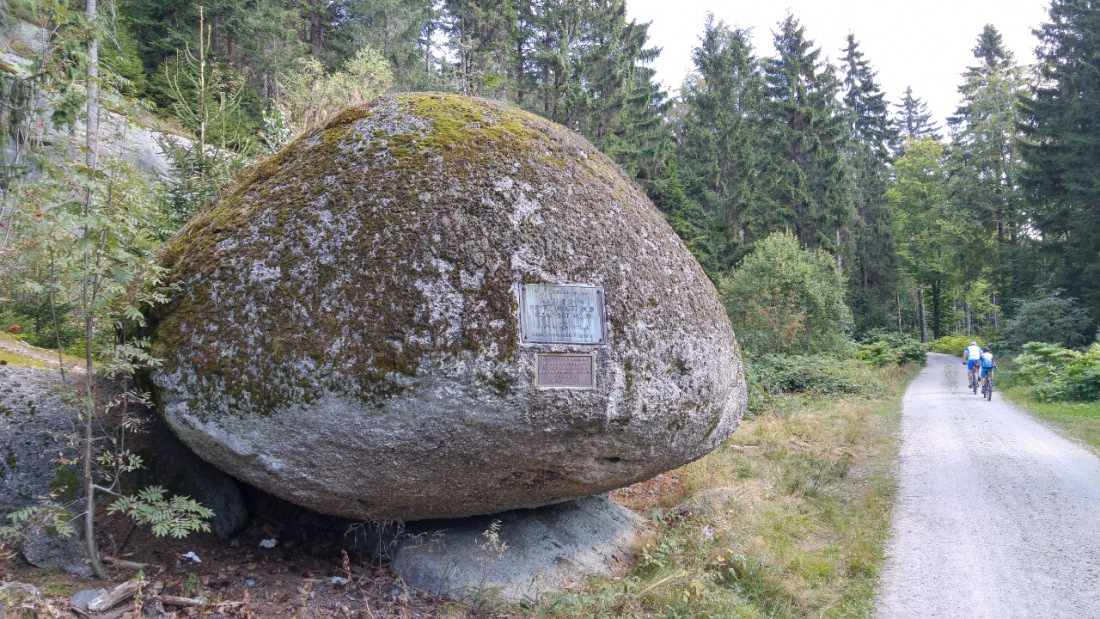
[988, 364]
[972, 356]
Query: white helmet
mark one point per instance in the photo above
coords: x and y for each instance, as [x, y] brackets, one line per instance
[973, 343]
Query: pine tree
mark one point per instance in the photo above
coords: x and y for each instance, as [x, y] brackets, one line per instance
[808, 184]
[720, 133]
[400, 30]
[872, 138]
[481, 35]
[251, 41]
[1062, 148]
[913, 118]
[982, 161]
[627, 107]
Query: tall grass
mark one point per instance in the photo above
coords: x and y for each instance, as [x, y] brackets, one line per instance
[788, 519]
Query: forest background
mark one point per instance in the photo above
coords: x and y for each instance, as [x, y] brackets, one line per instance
[826, 214]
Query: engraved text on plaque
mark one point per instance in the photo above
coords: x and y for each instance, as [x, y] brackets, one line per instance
[550, 313]
[565, 371]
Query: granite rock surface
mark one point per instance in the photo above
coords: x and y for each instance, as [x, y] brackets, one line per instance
[346, 328]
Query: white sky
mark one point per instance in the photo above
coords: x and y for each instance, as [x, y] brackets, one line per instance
[924, 44]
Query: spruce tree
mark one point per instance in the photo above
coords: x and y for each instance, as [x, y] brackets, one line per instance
[807, 190]
[983, 162]
[872, 138]
[720, 134]
[480, 37]
[400, 30]
[1062, 148]
[913, 118]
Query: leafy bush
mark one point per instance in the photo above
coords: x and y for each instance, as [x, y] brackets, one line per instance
[1049, 318]
[1057, 374]
[783, 298]
[954, 344]
[771, 375]
[892, 348]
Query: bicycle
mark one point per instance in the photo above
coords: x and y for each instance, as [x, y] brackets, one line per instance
[987, 386]
[974, 382]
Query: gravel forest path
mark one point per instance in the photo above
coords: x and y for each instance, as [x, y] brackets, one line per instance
[996, 515]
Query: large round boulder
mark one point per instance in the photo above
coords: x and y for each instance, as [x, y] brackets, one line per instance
[437, 306]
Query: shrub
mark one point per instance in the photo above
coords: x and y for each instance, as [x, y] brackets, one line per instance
[891, 348]
[1056, 374]
[1048, 318]
[783, 298]
[954, 344]
[772, 375]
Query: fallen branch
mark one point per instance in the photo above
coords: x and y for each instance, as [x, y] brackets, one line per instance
[133, 565]
[111, 598]
[175, 600]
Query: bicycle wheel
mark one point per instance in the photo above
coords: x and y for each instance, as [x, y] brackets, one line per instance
[988, 388]
[974, 384]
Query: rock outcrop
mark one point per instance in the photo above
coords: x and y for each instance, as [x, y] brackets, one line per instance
[121, 137]
[523, 554]
[437, 306]
[35, 427]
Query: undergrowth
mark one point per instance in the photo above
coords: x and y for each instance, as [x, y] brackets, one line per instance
[1042, 380]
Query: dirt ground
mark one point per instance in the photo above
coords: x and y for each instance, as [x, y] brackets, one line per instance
[312, 572]
[307, 574]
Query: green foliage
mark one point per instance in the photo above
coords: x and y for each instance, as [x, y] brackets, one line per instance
[53, 519]
[954, 344]
[808, 183]
[311, 95]
[783, 298]
[775, 376]
[720, 131]
[1049, 317]
[1057, 374]
[177, 516]
[892, 348]
[913, 119]
[1061, 149]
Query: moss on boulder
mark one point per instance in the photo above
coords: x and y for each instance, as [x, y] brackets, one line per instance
[345, 332]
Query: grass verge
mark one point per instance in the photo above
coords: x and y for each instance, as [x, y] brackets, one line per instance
[788, 519]
[1077, 420]
[15, 352]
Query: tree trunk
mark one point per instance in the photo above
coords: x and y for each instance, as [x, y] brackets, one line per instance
[937, 309]
[91, 142]
[922, 316]
[315, 27]
[897, 293]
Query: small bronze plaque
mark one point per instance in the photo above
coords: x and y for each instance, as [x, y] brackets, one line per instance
[556, 371]
[561, 314]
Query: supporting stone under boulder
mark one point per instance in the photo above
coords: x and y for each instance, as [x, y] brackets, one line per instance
[548, 549]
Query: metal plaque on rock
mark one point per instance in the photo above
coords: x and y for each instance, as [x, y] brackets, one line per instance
[564, 371]
[561, 314]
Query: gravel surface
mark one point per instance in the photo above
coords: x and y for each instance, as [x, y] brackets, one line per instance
[996, 515]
